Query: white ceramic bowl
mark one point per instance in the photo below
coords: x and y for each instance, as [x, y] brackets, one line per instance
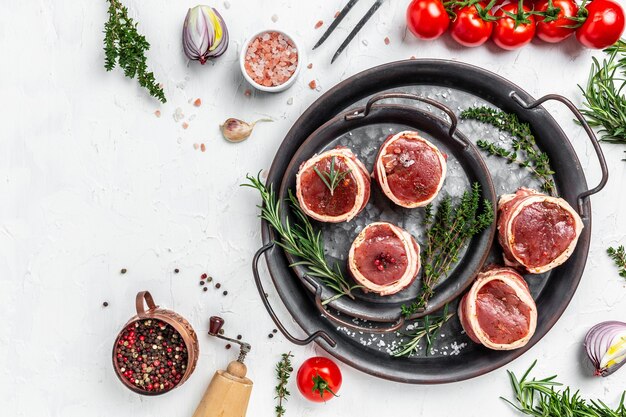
[277, 88]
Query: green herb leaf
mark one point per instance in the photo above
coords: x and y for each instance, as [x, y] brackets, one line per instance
[427, 328]
[124, 46]
[619, 257]
[333, 177]
[283, 372]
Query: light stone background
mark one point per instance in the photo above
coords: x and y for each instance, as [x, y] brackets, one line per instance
[91, 182]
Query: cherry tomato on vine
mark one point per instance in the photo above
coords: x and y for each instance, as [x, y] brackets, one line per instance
[553, 27]
[470, 28]
[604, 24]
[427, 19]
[513, 32]
[319, 379]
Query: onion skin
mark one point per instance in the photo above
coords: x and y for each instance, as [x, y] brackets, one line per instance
[605, 344]
[205, 35]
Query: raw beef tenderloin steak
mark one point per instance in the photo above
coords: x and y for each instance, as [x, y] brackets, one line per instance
[349, 196]
[410, 169]
[498, 311]
[384, 258]
[536, 232]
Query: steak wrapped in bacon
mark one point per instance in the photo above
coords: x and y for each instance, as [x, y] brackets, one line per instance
[499, 311]
[328, 200]
[410, 169]
[384, 258]
[537, 232]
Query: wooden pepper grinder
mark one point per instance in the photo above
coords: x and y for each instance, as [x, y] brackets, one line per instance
[229, 391]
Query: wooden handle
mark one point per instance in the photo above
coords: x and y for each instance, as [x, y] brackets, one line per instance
[226, 396]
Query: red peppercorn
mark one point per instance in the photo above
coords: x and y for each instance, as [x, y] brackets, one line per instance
[380, 267]
[203, 276]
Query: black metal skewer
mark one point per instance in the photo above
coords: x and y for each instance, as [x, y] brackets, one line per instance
[357, 28]
[336, 22]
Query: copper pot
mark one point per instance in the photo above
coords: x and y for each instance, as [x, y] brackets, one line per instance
[175, 320]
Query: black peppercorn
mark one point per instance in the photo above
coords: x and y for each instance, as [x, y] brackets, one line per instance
[123, 271]
[218, 285]
[205, 289]
[105, 304]
[270, 335]
[176, 271]
[228, 346]
[238, 337]
[225, 293]
[201, 282]
[274, 331]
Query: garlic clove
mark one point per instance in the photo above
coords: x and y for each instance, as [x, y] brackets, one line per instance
[235, 130]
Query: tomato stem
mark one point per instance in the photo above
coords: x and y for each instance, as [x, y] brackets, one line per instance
[320, 385]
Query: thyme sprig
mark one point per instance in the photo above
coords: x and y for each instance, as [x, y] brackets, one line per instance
[124, 46]
[283, 372]
[333, 177]
[447, 231]
[427, 328]
[539, 398]
[619, 257]
[301, 240]
[523, 147]
[605, 101]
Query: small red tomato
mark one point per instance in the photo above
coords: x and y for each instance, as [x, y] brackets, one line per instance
[319, 379]
[470, 28]
[513, 32]
[604, 24]
[553, 28]
[427, 19]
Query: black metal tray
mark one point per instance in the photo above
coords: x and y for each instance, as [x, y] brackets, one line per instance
[552, 291]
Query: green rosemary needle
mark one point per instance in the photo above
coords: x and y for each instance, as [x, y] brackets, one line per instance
[619, 257]
[426, 328]
[283, 372]
[124, 46]
[605, 101]
[447, 231]
[523, 148]
[333, 177]
[539, 398]
[301, 240]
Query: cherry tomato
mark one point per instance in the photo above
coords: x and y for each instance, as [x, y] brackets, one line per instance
[469, 28]
[427, 19]
[319, 379]
[604, 24]
[509, 34]
[555, 30]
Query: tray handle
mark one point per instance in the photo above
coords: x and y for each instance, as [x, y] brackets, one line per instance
[318, 303]
[257, 279]
[408, 96]
[594, 141]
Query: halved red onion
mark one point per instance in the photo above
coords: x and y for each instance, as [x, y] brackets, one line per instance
[205, 35]
[605, 344]
[384, 258]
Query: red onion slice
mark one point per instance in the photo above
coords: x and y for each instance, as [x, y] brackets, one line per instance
[605, 344]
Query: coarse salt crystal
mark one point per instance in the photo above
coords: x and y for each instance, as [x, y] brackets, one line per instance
[319, 24]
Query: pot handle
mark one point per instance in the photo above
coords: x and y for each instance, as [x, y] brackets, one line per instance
[257, 279]
[141, 296]
[324, 312]
[408, 96]
[594, 141]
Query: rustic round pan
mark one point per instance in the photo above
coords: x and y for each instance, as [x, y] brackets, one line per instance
[556, 290]
[443, 134]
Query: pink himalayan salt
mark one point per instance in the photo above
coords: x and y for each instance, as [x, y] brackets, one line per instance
[319, 24]
[271, 59]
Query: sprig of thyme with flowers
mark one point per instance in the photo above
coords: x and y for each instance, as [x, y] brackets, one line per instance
[299, 239]
[283, 372]
[447, 231]
[126, 47]
[523, 148]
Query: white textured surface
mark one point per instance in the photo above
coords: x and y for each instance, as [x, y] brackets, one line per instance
[91, 182]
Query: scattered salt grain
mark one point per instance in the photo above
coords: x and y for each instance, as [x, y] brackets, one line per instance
[157, 113]
[196, 146]
[364, 42]
[319, 24]
[310, 66]
[178, 114]
[274, 18]
[247, 93]
[387, 41]
[290, 101]
[202, 147]
[185, 125]
[227, 5]
[197, 102]
[313, 85]
[337, 14]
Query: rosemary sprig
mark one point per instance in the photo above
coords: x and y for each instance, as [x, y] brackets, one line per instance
[333, 177]
[538, 398]
[427, 328]
[524, 151]
[605, 101]
[301, 240]
[124, 46]
[447, 231]
[283, 372]
[619, 257]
